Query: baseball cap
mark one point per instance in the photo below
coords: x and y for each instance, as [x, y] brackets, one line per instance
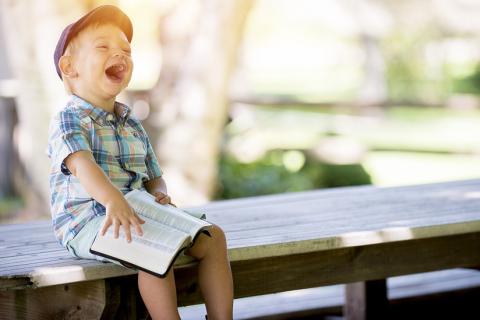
[103, 14]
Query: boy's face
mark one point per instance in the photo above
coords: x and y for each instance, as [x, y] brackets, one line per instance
[102, 62]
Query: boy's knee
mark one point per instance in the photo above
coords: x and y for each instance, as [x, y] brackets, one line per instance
[217, 233]
[218, 239]
[206, 244]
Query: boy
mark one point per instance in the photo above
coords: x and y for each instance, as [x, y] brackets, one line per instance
[99, 153]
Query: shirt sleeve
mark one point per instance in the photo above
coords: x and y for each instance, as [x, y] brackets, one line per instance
[151, 162]
[67, 135]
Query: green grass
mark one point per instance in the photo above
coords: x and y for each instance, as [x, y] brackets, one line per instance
[8, 206]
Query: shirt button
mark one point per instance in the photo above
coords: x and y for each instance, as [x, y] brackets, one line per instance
[110, 117]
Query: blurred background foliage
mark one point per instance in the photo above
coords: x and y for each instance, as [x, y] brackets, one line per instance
[245, 98]
[284, 171]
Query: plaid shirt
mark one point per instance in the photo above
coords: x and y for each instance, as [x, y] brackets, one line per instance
[120, 147]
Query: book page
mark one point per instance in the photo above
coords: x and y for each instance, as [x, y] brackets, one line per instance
[146, 206]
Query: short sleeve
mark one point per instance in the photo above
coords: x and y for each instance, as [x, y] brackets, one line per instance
[67, 135]
[151, 162]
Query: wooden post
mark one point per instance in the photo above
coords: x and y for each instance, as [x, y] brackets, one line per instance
[126, 303]
[83, 300]
[112, 299]
[366, 300]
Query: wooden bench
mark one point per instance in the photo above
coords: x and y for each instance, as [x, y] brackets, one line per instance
[357, 235]
[444, 294]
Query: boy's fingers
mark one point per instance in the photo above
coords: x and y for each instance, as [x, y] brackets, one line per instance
[116, 229]
[126, 228]
[138, 229]
[106, 225]
[138, 219]
[164, 200]
[159, 194]
[159, 197]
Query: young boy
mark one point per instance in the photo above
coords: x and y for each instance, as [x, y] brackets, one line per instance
[99, 152]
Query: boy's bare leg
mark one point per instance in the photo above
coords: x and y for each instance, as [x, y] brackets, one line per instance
[159, 295]
[214, 274]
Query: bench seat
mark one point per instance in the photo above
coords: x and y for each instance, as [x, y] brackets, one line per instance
[288, 241]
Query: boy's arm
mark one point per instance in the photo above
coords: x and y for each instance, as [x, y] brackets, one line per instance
[158, 188]
[82, 165]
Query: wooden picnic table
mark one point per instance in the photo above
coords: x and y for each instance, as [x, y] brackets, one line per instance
[354, 235]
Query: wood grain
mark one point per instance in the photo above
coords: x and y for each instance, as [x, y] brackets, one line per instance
[275, 243]
[84, 300]
[345, 265]
[276, 225]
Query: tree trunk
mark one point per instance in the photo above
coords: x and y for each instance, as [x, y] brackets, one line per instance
[373, 90]
[374, 87]
[192, 93]
[37, 26]
[8, 120]
[7, 151]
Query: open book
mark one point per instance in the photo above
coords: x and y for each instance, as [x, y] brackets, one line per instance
[167, 231]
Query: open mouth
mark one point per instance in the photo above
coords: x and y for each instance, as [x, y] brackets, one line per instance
[116, 72]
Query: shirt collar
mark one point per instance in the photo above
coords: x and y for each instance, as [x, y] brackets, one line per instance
[121, 114]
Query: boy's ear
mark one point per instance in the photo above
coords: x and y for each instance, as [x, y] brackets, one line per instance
[66, 66]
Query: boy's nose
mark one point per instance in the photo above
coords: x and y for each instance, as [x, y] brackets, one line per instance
[118, 52]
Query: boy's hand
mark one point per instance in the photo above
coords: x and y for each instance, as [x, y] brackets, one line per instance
[163, 198]
[119, 213]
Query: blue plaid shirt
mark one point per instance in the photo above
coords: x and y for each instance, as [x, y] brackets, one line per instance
[120, 147]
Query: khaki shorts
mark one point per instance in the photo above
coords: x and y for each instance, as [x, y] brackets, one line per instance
[80, 245]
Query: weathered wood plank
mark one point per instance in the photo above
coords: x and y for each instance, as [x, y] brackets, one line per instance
[352, 238]
[52, 272]
[339, 193]
[318, 213]
[60, 261]
[68, 271]
[338, 199]
[289, 224]
[84, 300]
[344, 265]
